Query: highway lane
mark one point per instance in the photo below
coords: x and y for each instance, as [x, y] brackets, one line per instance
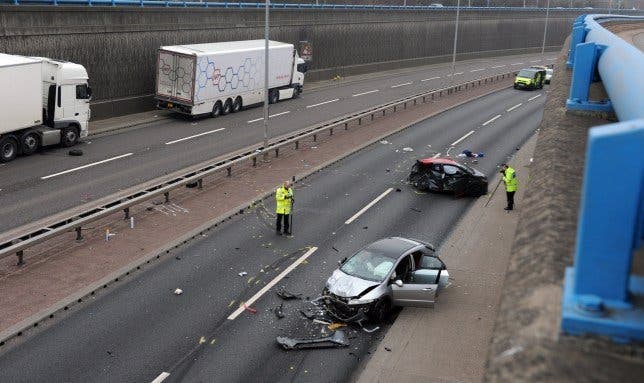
[41, 185]
[139, 329]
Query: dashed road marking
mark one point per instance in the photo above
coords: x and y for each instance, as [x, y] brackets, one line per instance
[195, 136]
[514, 107]
[491, 120]
[399, 85]
[86, 166]
[370, 204]
[323, 103]
[497, 66]
[517, 63]
[462, 138]
[534, 61]
[161, 377]
[363, 93]
[272, 283]
[271, 116]
[429, 79]
[535, 97]
[437, 155]
[455, 74]
[477, 70]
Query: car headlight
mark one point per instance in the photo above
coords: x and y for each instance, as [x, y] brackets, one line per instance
[360, 301]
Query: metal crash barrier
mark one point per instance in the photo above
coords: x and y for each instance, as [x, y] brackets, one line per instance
[601, 294]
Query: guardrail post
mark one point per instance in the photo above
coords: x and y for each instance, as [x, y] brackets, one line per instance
[405, 105]
[583, 74]
[254, 161]
[229, 171]
[21, 260]
[601, 296]
[330, 131]
[372, 116]
[297, 144]
[79, 233]
[359, 121]
[277, 152]
[200, 183]
[346, 126]
[127, 213]
[315, 138]
[394, 108]
[167, 197]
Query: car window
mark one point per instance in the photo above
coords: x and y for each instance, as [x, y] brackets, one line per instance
[403, 270]
[368, 265]
[526, 73]
[428, 262]
[450, 169]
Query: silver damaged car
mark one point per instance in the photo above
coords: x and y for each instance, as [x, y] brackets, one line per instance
[393, 271]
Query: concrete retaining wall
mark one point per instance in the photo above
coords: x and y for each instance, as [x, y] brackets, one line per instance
[118, 45]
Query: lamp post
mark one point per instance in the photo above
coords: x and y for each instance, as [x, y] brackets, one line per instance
[458, 9]
[545, 28]
[266, 80]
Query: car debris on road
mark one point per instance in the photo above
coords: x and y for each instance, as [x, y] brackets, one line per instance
[446, 175]
[337, 339]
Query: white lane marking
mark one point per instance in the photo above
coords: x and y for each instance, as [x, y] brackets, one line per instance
[477, 70]
[514, 107]
[363, 93]
[517, 63]
[429, 79]
[195, 136]
[462, 138]
[322, 103]
[86, 166]
[399, 85]
[161, 377]
[271, 116]
[535, 97]
[551, 59]
[437, 155]
[455, 74]
[491, 120]
[272, 283]
[497, 66]
[534, 61]
[370, 204]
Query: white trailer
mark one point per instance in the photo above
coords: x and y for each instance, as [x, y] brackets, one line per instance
[220, 78]
[44, 102]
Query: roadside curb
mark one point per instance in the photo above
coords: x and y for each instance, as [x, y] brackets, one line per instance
[35, 320]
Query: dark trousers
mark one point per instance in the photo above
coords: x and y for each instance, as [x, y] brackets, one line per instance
[510, 195]
[286, 222]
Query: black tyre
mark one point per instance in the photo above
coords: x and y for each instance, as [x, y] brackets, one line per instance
[69, 136]
[8, 148]
[237, 105]
[216, 109]
[380, 310]
[296, 92]
[228, 107]
[273, 96]
[29, 143]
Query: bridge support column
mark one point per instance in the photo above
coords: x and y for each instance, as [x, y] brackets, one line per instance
[583, 74]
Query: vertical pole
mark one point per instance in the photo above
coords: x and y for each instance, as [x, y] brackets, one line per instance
[266, 80]
[458, 9]
[545, 28]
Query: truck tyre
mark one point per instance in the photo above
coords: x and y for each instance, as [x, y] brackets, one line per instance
[216, 109]
[273, 96]
[228, 106]
[69, 136]
[237, 105]
[29, 143]
[8, 148]
[296, 92]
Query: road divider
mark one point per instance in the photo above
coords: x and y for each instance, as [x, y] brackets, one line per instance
[491, 120]
[86, 166]
[462, 138]
[270, 284]
[369, 205]
[194, 136]
[364, 93]
[323, 103]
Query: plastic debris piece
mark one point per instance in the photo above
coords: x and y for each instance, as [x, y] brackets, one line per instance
[370, 330]
[416, 210]
[75, 152]
[337, 339]
[279, 311]
[398, 190]
[250, 309]
[408, 149]
[384, 142]
[178, 291]
[307, 315]
[387, 349]
[336, 325]
[287, 295]
[318, 321]
[333, 247]
[242, 273]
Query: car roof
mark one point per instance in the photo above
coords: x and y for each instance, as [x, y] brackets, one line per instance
[393, 247]
[439, 160]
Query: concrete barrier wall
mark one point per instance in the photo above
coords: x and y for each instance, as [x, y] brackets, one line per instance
[118, 45]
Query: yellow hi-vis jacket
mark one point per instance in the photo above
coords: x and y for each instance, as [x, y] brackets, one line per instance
[283, 203]
[510, 179]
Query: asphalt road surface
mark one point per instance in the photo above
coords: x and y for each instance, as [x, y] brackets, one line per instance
[140, 330]
[51, 181]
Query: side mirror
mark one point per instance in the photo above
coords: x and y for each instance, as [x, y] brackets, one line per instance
[342, 261]
[398, 283]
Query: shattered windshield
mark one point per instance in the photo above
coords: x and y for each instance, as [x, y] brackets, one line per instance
[368, 265]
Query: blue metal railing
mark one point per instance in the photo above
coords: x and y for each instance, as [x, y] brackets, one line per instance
[199, 4]
[601, 295]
